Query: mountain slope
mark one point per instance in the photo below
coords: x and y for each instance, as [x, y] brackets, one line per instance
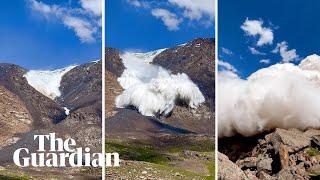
[181, 142]
[195, 59]
[14, 117]
[44, 111]
[28, 111]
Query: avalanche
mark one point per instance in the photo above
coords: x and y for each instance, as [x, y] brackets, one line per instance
[47, 82]
[152, 89]
[280, 96]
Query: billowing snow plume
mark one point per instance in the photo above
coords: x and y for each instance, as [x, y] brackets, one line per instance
[280, 96]
[47, 82]
[152, 89]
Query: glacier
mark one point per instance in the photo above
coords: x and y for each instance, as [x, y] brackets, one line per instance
[47, 82]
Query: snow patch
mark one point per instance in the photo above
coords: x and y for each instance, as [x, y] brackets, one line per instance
[96, 61]
[66, 111]
[152, 89]
[279, 96]
[47, 82]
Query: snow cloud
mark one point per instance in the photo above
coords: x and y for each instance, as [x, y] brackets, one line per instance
[255, 28]
[287, 55]
[84, 21]
[279, 96]
[152, 89]
[170, 20]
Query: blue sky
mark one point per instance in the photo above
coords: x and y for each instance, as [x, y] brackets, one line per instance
[140, 25]
[243, 44]
[44, 34]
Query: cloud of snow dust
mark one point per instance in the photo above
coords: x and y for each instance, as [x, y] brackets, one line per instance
[47, 82]
[152, 89]
[279, 96]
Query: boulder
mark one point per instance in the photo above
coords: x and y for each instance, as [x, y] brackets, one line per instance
[228, 170]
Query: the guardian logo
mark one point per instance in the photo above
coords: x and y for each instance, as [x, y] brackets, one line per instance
[62, 153]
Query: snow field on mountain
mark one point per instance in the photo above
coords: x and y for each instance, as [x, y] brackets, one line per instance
[47, 82]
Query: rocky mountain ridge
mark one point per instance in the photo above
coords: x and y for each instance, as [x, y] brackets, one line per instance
[25, 111]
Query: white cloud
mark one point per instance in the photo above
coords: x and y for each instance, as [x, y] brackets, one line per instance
[254, 28]
[169, 19]
[255, 51]
[93, 6]
[85, 21]
[82, 28]
[134, 3]
[227, 66]
[226, 70]
[227, 51]
[265, 61]
[140, 4]
[44, 9]
[196, 9]
[287, 55]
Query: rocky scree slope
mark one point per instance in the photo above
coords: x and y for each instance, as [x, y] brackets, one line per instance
[282, 154]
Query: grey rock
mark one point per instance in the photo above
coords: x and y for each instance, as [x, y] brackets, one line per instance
[293, 139]
[265, 176]
[264, 164]
[227, 170]
[251, 174]
[248, 162]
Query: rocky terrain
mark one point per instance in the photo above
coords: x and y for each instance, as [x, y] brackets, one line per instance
[24, 111]
[196, 60]
[281, 154]
[169, 148]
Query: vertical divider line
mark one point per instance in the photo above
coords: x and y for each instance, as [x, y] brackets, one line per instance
[216, 87]
[103, 138]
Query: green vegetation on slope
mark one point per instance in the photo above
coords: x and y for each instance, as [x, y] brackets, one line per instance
[163, 158]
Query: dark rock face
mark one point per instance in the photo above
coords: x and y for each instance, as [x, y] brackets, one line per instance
[81, 90]
[43, 110]
[282, 154]
[196, 59]
[113, 61]
[82, 87]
